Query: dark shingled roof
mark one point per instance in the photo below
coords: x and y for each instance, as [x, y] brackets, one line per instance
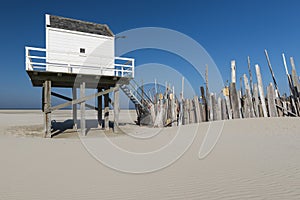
[78, 25]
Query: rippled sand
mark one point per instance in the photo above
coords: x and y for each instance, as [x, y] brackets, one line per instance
[253, 159]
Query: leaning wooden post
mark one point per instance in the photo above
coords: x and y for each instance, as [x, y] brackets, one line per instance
[82, 110]
[46, 107]
[295, 75]
[74, 107]
[106, 111]
[271, 101]
[116, 108]
[99, 112]
[261, 91]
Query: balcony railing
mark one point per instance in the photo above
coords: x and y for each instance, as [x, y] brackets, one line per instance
[36, 60]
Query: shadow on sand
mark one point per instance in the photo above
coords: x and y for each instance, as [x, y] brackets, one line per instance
[59, 128]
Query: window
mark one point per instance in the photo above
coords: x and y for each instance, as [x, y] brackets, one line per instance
[82, 50]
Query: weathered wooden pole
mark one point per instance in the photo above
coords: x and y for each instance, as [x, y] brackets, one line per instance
[46, 107]
[234, 101]
[82, 110]
[219, 109]
[106, 111]
[99, 111]
[197, 110]
[256, 100]
[272, 73]
[208, 102]
[233, 71]
[295, 75]
[204, 113]
[250, 75]
[248, 96]
[240, 103]
[292, 88]
[271, 101]
[116, 108]
[261, 91]
[214, 107]
[173, 112]
[227, 101]
[224, 110]
[74, 107]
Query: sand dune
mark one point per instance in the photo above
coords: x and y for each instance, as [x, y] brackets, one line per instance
[253, 159]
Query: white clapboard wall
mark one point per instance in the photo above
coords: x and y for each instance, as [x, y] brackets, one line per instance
[84, 53]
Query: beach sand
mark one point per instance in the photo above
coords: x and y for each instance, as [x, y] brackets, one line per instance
[253, 159]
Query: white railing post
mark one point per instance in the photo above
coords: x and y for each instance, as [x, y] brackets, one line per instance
[132, 68]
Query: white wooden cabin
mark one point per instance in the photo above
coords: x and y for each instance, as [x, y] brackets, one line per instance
[78, 47]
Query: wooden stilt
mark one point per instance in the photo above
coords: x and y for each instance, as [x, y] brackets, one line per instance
[82, 110]
[74, 108]
[47, 106]
[116, 108]
[106, 111]
[261, 91]
[99, 111]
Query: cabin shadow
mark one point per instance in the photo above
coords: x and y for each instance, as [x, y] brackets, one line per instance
[59, 128]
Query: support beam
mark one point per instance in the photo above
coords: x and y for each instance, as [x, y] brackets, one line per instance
[77, 101]
[47, 106]
[70, 99]
[82, 110]
[116, 108]
[74, 107]
[106, 111]
[99, 109]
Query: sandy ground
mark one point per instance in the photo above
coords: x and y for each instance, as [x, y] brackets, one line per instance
[253, 159]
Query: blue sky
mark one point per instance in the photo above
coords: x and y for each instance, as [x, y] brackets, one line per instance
[227, 29]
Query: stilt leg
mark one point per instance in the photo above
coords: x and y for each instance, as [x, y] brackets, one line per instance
[82, 110]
